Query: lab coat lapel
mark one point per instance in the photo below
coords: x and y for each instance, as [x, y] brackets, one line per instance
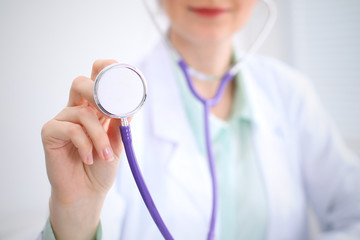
[186, 165]
[282, 193]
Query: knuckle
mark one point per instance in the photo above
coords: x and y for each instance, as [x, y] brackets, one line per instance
[84, 145]
[86, 112]
[88, 147]
[100, 136]
[76, 84]
[45, 129]
[74, 129]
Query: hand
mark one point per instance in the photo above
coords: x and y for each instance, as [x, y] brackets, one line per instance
[82, 150]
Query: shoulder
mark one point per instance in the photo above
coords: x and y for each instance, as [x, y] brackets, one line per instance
[278, 76]
[289, 92]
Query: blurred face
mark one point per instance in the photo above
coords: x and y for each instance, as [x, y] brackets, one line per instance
[207, 21]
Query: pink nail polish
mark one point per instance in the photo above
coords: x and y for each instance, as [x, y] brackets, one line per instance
[90, 160]
[108, 153]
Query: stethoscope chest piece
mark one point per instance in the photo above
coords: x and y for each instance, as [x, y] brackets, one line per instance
[120, 90]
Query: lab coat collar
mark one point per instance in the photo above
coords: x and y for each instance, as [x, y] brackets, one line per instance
[167, 118]
[261, 110]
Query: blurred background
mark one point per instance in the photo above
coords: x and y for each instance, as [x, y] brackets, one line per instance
[45, 44]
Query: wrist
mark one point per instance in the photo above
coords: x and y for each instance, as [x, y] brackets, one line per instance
[75, 220]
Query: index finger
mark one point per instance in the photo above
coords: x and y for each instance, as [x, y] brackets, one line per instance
[81, 92]
[99, 65]
[82, 87]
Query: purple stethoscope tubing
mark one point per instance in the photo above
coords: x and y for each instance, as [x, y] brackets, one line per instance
[144, 191]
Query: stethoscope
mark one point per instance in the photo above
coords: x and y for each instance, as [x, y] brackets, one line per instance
[120, 91]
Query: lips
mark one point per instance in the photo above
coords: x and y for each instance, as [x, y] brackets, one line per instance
[208, 12]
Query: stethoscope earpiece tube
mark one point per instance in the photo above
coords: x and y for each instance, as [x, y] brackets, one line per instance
[145, 194]
[208, 104]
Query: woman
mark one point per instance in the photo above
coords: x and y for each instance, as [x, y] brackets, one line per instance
[277, 154]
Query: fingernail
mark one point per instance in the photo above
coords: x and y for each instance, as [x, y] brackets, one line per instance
[108, 153]
[90, 160]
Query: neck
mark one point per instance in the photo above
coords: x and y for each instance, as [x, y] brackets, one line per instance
[213, 59]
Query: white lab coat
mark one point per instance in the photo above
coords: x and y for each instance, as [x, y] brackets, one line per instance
[303, 162]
